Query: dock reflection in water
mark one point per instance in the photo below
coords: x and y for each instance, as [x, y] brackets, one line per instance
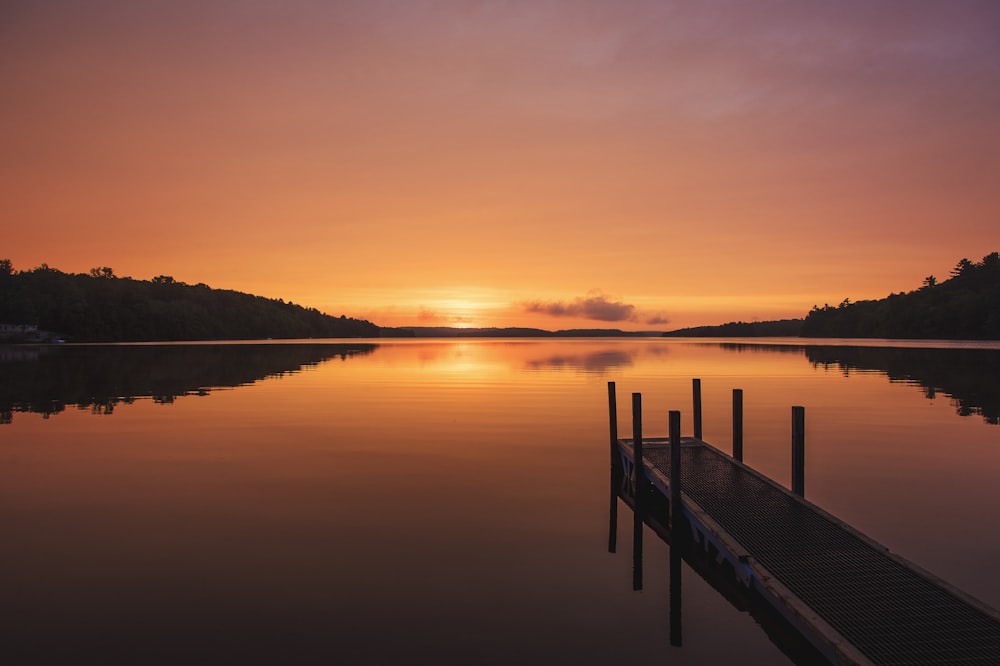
[683, 550]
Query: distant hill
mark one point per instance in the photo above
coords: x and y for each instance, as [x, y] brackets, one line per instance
[101, 307]
[512, 332]
[742, 329]
[964, 307]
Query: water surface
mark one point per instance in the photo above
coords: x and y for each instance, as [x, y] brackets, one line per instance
[442, 501]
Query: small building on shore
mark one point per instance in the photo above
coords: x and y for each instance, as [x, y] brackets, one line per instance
[22, 333]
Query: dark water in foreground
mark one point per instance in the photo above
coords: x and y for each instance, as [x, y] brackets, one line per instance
[441, 501]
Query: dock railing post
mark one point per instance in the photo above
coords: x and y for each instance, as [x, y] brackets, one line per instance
[637, 446]
[613, 420]
[615, 467]
[675, 470]
[638, 492]
[799, 451]
[738, 424]
[696, 391]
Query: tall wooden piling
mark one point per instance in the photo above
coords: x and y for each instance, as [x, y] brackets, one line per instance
[613, 420]
[738, 424]
[799, 451]
[675, 470]
[639, 488]
[637, 447]
[696, 394]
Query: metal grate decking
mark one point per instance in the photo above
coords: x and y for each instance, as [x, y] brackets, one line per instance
[886, 608]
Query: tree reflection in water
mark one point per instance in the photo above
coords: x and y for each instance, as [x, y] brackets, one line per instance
[47, 380]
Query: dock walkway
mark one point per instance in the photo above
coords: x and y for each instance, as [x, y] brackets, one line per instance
[855, 600]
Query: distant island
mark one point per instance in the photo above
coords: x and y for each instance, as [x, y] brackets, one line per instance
[44, 304]
[511, 332]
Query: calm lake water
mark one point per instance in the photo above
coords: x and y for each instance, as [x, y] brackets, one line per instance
[444, 501]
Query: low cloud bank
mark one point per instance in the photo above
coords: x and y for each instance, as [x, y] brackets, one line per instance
[597, 307]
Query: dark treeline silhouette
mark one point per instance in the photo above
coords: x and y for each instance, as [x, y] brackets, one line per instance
[967, 376]
[100, 307]
[964, 307]
[48, 379]
[743, 329]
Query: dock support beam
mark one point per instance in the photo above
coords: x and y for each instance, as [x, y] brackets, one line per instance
[738, 424]
[675, 471]
[799, 451]
[637, 471]
[696, 394]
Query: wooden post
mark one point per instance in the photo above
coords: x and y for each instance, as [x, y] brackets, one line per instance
[696, 390]
[637, 445]
[613, 418]
[799, 451]
[675, 471]
[738, 424]
[638, 492]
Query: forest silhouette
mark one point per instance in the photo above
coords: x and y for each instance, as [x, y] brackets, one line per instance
[964, 307]
[101, 307]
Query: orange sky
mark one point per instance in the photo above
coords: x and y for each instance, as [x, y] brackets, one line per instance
[541, 163]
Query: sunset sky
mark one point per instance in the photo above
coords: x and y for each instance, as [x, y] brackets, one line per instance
[548, 163]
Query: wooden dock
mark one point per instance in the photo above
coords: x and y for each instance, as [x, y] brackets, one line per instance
[855, 601]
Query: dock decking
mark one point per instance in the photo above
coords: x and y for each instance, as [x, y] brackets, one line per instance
[856, 601]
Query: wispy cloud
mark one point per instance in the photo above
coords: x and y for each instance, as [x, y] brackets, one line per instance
[595, 306]
[426, 316]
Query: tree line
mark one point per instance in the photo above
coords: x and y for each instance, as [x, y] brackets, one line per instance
[101, 307]
[742, 329]
[964, 307]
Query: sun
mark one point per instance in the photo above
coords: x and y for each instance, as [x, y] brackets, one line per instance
[461, 313]
[465, 307]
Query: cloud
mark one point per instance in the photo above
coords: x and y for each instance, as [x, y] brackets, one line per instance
[657, 319]
[597, 307]
[426, 316]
